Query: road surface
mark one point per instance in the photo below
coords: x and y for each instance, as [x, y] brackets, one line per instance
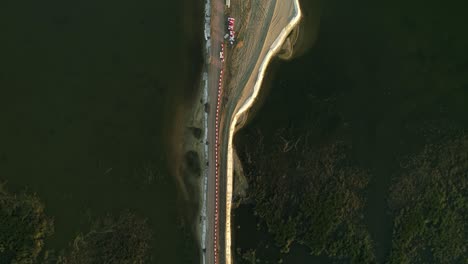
[214, 72]
[267, 23]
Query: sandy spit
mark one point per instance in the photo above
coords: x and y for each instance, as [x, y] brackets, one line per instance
[274, 49]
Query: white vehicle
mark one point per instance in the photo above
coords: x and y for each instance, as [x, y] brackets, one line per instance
[232, 36]
[221, 53]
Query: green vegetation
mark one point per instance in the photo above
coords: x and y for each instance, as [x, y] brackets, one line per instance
[122, 240]
[314, 196]
[23, 227]
[310, 195]
[388, 78]
[249, 256]
[430, 204]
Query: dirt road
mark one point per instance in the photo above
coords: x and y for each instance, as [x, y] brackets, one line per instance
[267, 25]
[214, 72]
[262, 26]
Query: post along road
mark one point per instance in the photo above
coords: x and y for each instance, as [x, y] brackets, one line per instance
[274, 21]
[215, 75]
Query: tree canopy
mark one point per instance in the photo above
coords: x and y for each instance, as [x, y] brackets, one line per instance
[123, 240]
[23, 227]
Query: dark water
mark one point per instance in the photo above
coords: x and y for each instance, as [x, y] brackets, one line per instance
[377, 73]
[87, 93]
[249, 233]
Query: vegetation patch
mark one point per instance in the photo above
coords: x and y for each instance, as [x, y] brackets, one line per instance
[312, 195]
[430, 205]
[124, 240]
[23, 227]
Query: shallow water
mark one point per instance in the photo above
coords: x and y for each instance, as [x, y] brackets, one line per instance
[87, 92]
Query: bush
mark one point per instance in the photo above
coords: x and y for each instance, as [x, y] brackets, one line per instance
[23, 227]
[312, 195]
[431, 207]
[125, 240]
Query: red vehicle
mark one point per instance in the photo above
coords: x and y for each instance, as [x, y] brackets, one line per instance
[232, 33]
[231, 22]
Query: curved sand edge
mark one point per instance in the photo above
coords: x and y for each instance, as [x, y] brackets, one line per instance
[274, 49]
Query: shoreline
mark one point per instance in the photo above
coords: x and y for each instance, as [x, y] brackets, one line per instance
[203, 184]
[273, 50]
